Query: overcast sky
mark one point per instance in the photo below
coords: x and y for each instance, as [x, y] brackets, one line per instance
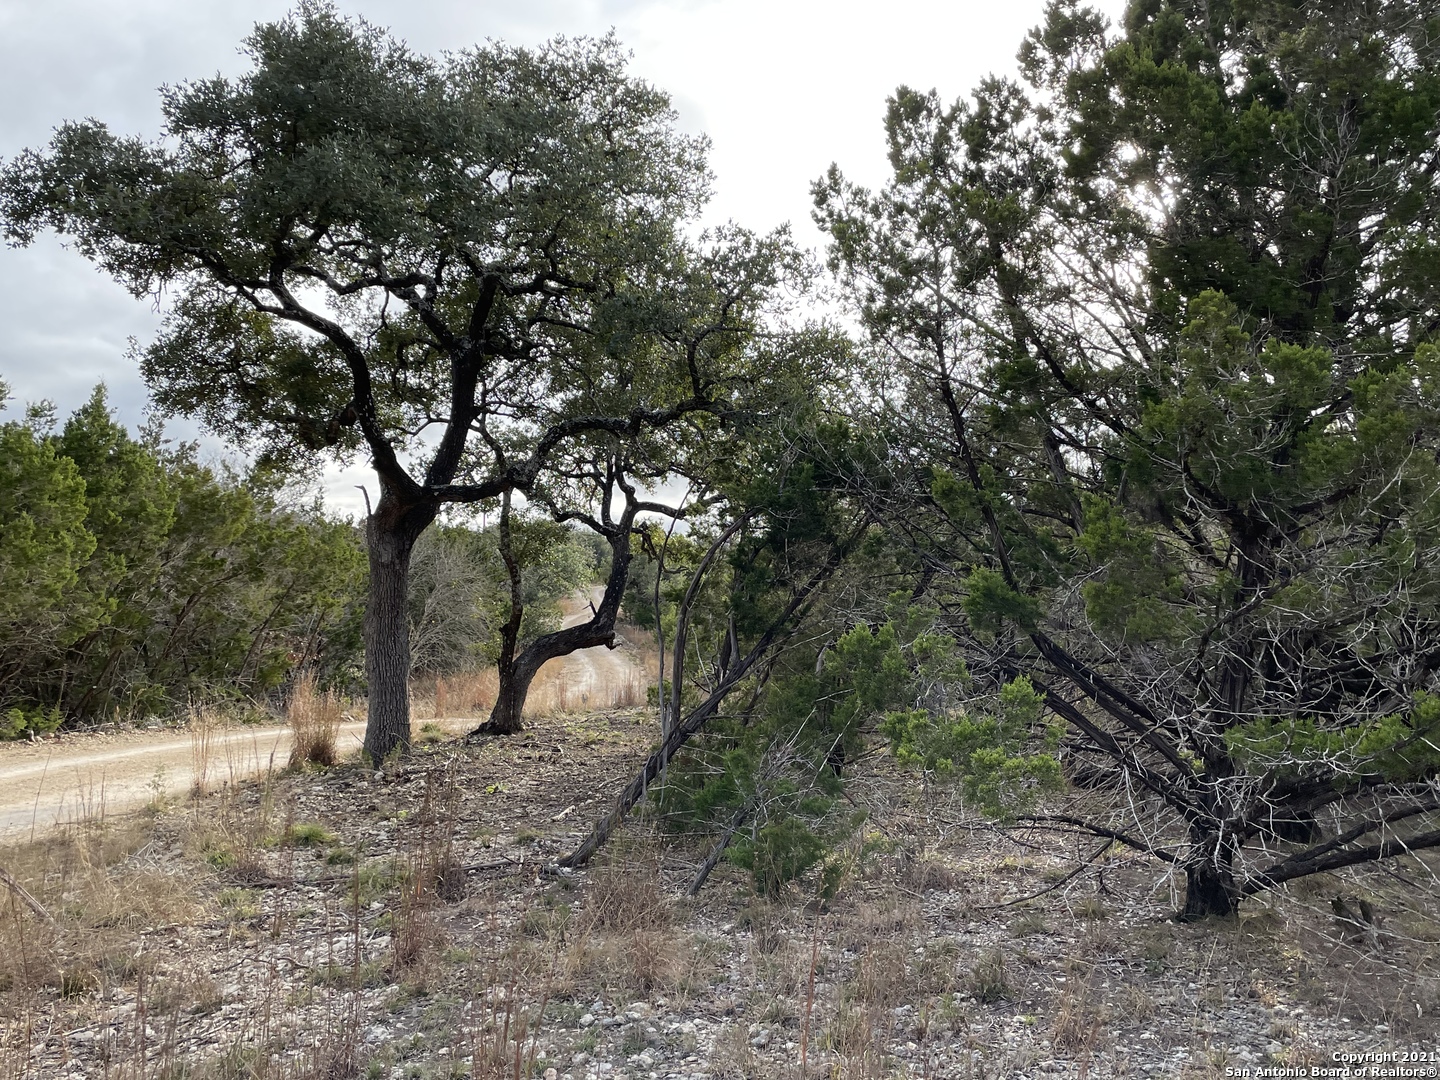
[781, 87]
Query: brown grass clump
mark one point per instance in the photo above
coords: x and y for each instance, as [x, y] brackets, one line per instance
[881, 979]
[465, 693]
[927, 872]
[96, 900]
[857, 1034]
[315, 721]
[556, 690]
[622, 936]
[1078, 1022]
[552, 693]
[989, 979]
[626, 899]
[204, 723]
[231, 833]
[633, 690]
[732, 1058]
[628, 692]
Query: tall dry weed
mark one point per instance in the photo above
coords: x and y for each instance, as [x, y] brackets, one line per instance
[629, 692]
[463, 694]
[314, 722]
[204, 726]
[553, 694]
[627, 898]
[555, 691]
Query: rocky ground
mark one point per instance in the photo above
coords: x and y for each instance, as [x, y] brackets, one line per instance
[409, 924]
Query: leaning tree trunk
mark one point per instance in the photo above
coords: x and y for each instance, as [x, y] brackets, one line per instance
[681, 731]
[515, 679]
[391, 532]
[516, 672]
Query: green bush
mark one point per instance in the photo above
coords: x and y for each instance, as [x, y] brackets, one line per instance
[779, 853]
[17, 723]
[134, 580]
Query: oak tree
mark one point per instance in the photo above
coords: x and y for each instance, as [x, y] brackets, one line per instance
[452, 265]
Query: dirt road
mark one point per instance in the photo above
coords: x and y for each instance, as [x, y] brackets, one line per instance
[89, 776]
[592, 675]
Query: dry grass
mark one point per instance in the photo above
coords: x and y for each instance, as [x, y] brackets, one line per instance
[499, 1024]
[928, 872]
[203, 723]
[557, 692]
[432, 877]
[628, 692]
[645, 659]
[314, 719]
[230, 834]
[103, 892]
[881, 978]
[1079, 1022]
[989, 979]
[462, 694]
[553, 693]
[856, 1034]
[619, 936]
[626, 898]
[444, 934]
[119, 896]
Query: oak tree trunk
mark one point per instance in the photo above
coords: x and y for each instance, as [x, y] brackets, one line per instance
[518, 667]
[392, 533]
[514, 683]
[515, 679]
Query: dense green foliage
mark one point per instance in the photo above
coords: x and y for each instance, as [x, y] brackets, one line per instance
[1158, 326]
[135, 579]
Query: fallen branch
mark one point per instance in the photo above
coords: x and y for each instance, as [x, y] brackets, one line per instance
[1307, 862]
[713, 859]
[680, 734]
[16, 889]
[1129, 841]
[635, 790]
[1089, 861]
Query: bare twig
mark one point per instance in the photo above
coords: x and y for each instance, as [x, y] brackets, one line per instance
[8, 880]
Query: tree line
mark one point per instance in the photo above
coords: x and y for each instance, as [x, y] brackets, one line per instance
[1128, 472]
[138, 580]
[135, 578]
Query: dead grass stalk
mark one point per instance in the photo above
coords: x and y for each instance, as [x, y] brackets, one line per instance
[314, 721]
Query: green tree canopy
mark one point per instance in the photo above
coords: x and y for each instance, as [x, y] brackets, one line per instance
[454, 266]
[135, 579]
[1161, 323]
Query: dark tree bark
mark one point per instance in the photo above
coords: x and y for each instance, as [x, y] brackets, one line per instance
[510, 700]
[518, 669]
[391, 533]
[1210, 880]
